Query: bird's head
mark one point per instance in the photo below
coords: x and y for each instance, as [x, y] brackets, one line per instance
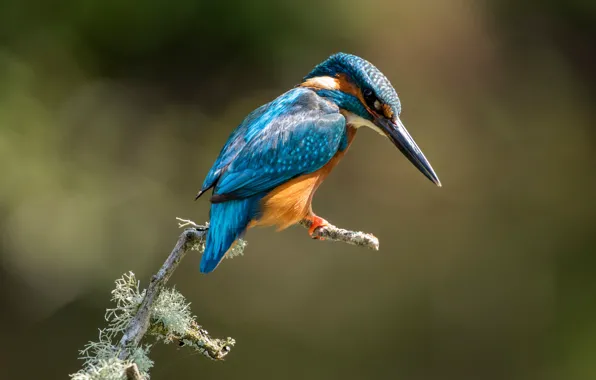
[367, 98]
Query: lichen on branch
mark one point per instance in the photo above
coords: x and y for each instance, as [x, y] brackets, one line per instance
[170, 321]
[165, 314]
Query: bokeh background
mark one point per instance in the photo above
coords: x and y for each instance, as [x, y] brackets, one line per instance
[111, 113]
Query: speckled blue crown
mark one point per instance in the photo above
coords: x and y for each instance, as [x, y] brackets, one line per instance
[363, 73]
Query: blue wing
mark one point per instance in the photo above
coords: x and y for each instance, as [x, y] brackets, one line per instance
[296, 134]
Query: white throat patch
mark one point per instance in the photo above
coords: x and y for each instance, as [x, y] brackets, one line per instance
[357, 122]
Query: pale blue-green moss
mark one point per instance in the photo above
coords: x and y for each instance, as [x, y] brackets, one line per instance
[140, 358]
[171, 319]
[101, 357]
[237, 249]
[103, 369]
[172, 310]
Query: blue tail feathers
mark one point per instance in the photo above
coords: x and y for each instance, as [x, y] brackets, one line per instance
[228, 221]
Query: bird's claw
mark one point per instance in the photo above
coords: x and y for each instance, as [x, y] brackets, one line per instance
[316, 222]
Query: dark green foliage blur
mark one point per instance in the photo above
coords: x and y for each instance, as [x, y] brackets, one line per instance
[111, 113]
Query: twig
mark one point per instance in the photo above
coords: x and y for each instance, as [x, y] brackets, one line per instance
[139, 324]
[189, 223]
[329, 232]
[334, 233]
[198, 338]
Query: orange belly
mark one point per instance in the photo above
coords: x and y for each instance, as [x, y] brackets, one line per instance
[289, 203]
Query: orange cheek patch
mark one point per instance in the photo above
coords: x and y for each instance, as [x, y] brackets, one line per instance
[345, 85]
[387, 111]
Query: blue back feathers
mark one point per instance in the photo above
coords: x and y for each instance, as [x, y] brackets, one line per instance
[296, 134]
[363, 73]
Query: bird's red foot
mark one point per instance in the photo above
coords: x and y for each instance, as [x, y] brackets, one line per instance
[316, 222]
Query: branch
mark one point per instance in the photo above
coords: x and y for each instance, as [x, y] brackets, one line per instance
[158, 311]
[164, 312]
[329, 232]
[141, 323]
[196, 337]
[132, 372]
[334, 233]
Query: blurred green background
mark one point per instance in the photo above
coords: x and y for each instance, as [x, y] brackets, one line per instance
[111, 113]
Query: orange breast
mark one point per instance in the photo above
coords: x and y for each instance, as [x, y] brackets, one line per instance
[289, 203]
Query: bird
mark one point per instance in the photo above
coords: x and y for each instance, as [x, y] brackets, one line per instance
[269, 169]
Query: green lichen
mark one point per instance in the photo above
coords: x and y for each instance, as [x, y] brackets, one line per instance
[171, 321]
[108, 369]
[237, 249]
[172, 311]
[101, 357]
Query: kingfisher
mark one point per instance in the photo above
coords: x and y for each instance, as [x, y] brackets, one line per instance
[272, 164]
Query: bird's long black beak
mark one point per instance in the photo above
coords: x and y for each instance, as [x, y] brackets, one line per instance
[398, 134]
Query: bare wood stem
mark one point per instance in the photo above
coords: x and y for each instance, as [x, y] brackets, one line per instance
[132, 373]
[334, 233]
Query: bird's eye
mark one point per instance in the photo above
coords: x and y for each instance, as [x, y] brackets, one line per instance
[370, 99]
[368, 95]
